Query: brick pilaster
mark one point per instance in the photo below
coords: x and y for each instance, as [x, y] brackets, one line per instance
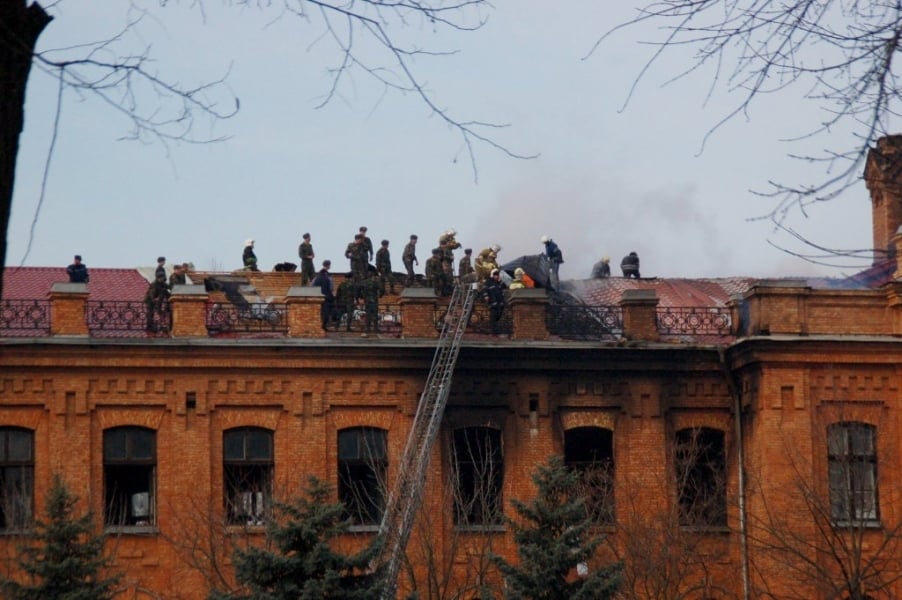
[189, 314]
[418, 313]
[304, 306]
[67, 309]
[640, 316]
[528, 308]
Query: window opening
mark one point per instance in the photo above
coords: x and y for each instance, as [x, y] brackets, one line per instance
[362, 467]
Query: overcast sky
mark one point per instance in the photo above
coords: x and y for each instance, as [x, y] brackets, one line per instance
[608, 180]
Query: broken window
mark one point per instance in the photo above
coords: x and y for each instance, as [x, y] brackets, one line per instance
[479, 475]
[589, 451]
[129, 465]
[362, 468]
[852, 464]
[16, 477]
[700, 469]
[248, 474]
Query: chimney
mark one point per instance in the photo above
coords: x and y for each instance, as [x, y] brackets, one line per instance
[883, 177]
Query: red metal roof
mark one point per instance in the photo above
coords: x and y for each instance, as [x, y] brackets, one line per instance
[670, 292]
[32, 283]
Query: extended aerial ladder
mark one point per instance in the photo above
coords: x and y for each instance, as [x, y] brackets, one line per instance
[407, 491]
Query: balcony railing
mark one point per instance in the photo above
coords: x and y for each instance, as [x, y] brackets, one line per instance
[584, 322]
[388, 319]
[129, 318]
[694, 322]
[480, 320]
[24, 318]
[251, 318]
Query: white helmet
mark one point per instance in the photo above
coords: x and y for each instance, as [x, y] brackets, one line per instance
[545, 239]
[496, 248]
[451, 231]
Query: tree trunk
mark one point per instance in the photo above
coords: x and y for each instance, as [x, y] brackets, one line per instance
[20, 26]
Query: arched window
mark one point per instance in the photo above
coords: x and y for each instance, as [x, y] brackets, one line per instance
[479, 476]
[248, 474]
[129, 474]
[852, 464]
[362, 466]
[16, 478]
[700, 469]
[590, 452]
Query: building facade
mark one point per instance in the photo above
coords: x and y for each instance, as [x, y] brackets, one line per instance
[745, 444]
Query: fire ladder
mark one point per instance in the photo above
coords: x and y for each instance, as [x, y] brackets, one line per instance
[406, 495]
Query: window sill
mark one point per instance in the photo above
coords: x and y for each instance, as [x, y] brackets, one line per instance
[480, 528]
[858, 524]
[146, 530]
[706, 529]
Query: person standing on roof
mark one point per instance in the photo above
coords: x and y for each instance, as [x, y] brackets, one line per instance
[367, 244]
[409, 258]
[630, 265]
[555, 258]
[161, 267]
[77, 271]
[156, 303]
[324, 281]
[493, 294]
[305, 252]
[178, 276]
[602, 269]
[357, 256]
[383, 265]
[486, 261]
[248, 257]
[465, 266]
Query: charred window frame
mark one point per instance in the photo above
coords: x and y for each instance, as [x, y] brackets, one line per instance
[248, 475]
[852, 468]
[129, 476]
[589, 451]
[362, 467]
[479, 477]
[16, 478]
[700, 469]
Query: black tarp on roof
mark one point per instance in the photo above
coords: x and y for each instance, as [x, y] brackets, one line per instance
[534, 265]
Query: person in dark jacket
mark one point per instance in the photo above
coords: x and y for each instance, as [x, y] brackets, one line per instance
[324, 281]
[602, 269]
[77, 271]
[493, 294]
[630, 265]
[249, 258]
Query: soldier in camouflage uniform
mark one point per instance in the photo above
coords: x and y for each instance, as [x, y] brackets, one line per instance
[372, 290]
[434, 276]
[383, 265]
[305, 252]
[465, 267]
[409, 258]
[357, 255]
[448, 244]
[367, 244]
[156, 301]
[347, 301]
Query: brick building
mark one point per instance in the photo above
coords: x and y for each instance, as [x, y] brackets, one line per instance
[738, 438]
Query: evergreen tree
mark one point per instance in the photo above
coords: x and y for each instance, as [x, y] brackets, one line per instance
[553, 536]
[66, 562]
[298, 562]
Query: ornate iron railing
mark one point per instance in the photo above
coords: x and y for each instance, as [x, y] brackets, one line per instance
[480, 320]
[584, 322]
[126, 317]
[251, 318]
[25, 317]
[389, 319]
[694, 321]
